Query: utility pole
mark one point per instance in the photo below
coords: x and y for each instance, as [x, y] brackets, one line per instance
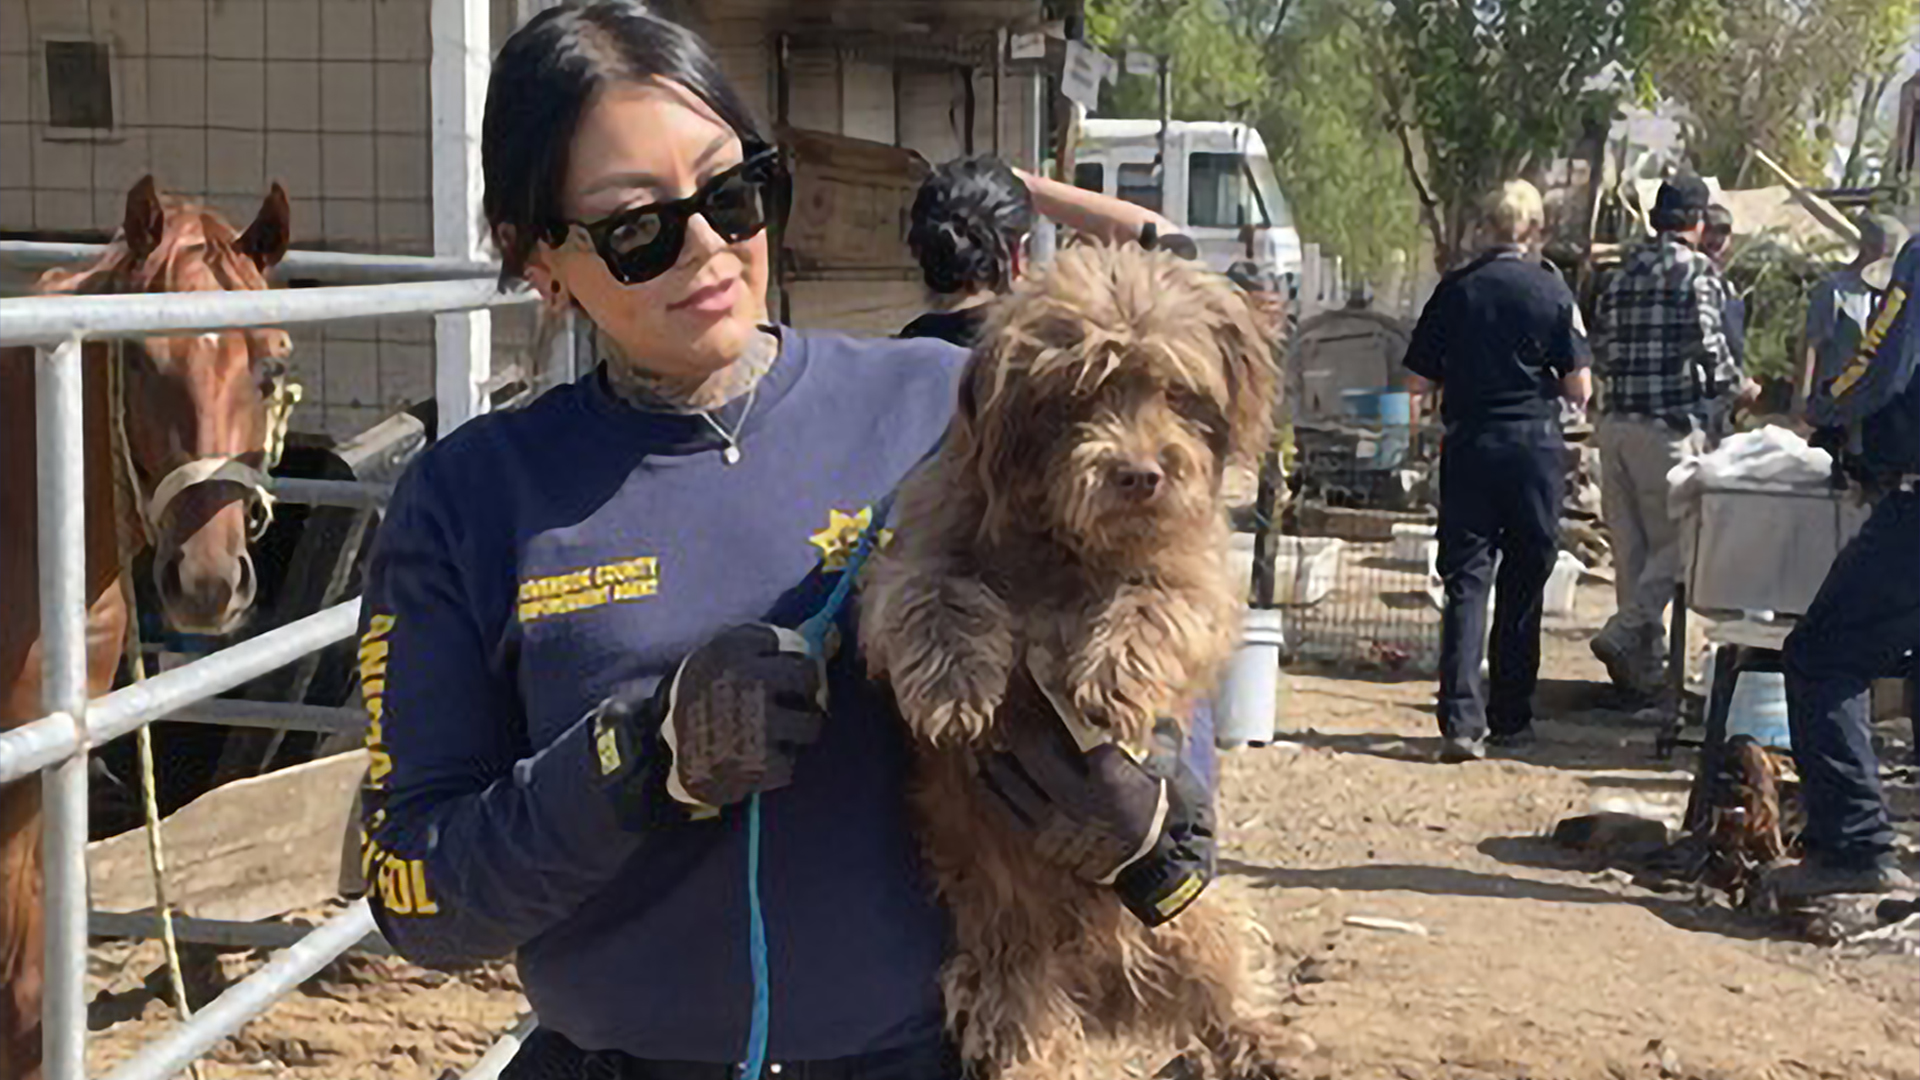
[1166, 118]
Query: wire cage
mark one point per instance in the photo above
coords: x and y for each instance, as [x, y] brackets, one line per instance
[1354, 563]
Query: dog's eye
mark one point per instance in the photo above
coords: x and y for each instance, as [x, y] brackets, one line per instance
[1197, 408]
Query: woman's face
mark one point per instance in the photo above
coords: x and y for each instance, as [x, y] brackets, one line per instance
[643, 143]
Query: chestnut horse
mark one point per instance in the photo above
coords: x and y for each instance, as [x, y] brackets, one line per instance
[199, 415]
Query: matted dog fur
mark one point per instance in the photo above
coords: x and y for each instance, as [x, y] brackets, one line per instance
[1076, 507]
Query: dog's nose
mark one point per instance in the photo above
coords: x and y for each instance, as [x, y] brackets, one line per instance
[1137, 481]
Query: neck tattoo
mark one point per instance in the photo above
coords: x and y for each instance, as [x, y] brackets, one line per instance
[741, 379]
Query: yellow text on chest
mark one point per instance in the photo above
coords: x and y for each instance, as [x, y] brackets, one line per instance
[590, 587]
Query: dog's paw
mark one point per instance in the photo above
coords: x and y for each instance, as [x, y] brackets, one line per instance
[1123, 713]
[1122, 690]
[951, 698]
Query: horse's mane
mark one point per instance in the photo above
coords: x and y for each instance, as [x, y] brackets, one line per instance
[193, 233]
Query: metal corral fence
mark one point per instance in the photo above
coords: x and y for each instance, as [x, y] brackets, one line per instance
[57, 744]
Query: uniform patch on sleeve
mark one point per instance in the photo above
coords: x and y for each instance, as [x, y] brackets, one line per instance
[373, 691]
[1870, 345]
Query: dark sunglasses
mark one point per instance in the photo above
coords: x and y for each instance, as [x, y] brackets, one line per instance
[641, 243]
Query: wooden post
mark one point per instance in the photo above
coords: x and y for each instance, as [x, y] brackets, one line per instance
[463, 343]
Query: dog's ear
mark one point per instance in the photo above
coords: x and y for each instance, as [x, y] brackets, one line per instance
[1252, 373]
[1007, 435]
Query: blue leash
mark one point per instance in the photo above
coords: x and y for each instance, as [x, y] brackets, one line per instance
[815, 631]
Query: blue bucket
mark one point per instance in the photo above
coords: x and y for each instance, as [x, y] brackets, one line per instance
[1362, 404]
[1759, 709]
[1393, 411]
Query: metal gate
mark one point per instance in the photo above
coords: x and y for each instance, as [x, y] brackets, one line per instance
[56, 745]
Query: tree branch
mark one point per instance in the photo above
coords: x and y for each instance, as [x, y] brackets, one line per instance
[1273, 32]
[1863, 119]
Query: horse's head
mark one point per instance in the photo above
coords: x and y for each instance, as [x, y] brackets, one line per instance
[198, 408]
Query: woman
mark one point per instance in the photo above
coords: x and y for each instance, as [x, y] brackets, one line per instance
[569, 656]
[969, 231]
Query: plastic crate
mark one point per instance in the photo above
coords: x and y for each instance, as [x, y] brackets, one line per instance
[1304, 567]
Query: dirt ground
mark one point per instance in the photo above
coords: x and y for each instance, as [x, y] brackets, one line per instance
[1518, 959]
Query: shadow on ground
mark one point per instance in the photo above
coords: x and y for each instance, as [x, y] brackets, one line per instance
[1581, 725]
[1453, 881]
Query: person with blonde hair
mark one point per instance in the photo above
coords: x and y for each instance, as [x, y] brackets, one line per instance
[1514, 213]
[1502, 343]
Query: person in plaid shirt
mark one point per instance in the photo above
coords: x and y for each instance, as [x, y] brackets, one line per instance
[1661, 357]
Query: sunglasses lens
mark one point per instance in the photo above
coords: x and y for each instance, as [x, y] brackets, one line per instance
[643, 244]
[643, 247]
[634, 234]
[735, 209]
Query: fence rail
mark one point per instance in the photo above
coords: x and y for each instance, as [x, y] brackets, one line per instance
[250, 996]
[51, 320]
[331, 267]
[56, 745]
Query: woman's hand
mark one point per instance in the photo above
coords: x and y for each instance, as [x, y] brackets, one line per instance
[726, 725]
[1146, 829]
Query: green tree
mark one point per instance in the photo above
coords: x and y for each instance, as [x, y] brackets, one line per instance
[1779, 75]
[1296, 70]
[1324, 123]
[1483, 90]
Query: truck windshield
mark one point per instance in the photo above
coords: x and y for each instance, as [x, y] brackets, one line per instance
[1139, 185]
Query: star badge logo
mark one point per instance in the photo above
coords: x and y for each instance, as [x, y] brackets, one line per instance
[841, 536]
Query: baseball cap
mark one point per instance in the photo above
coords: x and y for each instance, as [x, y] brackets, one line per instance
[1682, 193]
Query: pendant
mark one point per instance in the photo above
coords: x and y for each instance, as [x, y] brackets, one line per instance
[731, 455]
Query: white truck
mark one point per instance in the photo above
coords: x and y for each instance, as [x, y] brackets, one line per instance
[1220, 189]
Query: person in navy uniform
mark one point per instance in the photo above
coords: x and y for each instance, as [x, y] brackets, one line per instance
[586, 694]
[1866, 615]
[1502, 341]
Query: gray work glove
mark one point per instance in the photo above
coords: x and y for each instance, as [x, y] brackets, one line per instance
[725, 725]
[1092, 812]
[1144, 828]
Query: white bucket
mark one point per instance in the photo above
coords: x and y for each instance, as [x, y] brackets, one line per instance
[1412, 543]
[1249, 701]
[1563, 584]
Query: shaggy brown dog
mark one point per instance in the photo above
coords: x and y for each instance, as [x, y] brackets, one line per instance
[1075, 508]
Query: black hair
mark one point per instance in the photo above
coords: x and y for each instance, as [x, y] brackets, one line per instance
[1676, 219]
[968, 220]
[542, 82]
[1719, 217]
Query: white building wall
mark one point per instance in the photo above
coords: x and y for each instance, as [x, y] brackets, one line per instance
[217, 99]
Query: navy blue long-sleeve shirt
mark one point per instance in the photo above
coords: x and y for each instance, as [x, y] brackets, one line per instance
[1879, 389]
[1497, 336]
[533, 561]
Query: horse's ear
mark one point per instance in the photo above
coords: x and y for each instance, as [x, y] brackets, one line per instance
[266, 240]
[146, 219]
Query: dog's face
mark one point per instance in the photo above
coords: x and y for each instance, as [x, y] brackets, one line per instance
[1109, 393]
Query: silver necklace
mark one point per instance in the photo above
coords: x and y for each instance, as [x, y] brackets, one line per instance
[731, 455]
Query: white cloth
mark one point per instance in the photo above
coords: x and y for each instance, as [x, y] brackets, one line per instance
[1759, 522]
